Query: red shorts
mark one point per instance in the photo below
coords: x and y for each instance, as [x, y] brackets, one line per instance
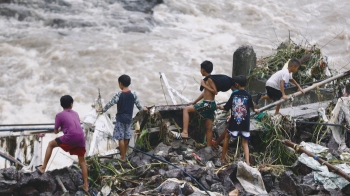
[73, 150]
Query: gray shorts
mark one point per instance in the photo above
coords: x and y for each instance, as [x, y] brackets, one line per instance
[122, 131]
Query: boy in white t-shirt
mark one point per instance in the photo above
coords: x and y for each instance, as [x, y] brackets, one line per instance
[278, 81]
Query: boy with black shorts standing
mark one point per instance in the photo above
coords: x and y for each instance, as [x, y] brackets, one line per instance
[240, 102]
[276, 84]
[73, 140]
[205, 109]
[125, 100]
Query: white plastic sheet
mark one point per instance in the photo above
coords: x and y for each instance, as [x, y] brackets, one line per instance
[250, 178]
[339, 113]
[329, 179]
[101, 139]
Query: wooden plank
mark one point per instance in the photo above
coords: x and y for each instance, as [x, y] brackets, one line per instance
[10, 158]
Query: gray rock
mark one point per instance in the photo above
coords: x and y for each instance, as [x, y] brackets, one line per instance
[170, 188]
[162, 172]
[197, 194]
[187, 189]
[206, 154]
[269, 181]
[188, 179]
[28, 191]
[162, 150]
[204, 183]
[155, 181]
[346, 190]
[210, 179]
[10, 173]
[308, 189]
[228, 184]
[175, 173]
[309, 179]
[138, 189]
[289, 184]
[230, 170]
[303, 169]
[244, 59]
[195, 170]
[217, 187]
[7, 186]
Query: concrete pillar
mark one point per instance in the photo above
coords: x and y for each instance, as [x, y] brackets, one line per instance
[244, 60]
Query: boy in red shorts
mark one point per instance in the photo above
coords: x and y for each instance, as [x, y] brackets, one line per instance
[73, 140]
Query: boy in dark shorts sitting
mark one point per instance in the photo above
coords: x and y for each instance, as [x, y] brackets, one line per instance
[276, 84]
[125, 100]
[206, 108]
[240, 102]
[73, 140]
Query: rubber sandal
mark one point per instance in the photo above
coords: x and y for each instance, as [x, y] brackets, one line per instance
[36, 168]
[82, 189]
[179, 137]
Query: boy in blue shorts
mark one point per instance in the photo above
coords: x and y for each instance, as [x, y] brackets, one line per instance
[240, 102]
[125, 100]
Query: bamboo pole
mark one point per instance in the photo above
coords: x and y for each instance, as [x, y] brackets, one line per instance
[299, 92]
[317, 158]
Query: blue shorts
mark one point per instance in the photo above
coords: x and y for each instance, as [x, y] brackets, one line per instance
[235, 134]
[122, 131]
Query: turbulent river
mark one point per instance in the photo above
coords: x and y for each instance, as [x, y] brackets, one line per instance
[49, 48]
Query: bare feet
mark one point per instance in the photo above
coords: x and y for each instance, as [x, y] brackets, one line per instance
[223, 161]
[214, 144]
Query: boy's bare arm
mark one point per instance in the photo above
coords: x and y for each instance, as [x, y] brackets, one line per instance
[296, 84]
[284, 96]
[199, 98]
[220, 107]
[211, 87]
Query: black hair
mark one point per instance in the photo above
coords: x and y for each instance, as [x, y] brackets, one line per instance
[240, 80]
[233, 81]
[125, 80]
[207, 66]
[66, 101]
[294, 62]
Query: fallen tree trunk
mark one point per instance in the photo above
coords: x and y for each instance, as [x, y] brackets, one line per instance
[317, 158]
[300, 93]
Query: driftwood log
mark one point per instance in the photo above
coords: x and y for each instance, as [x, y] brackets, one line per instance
[317, 158]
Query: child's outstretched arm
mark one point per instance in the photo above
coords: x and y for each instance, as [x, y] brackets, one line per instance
[113, 101]
[296, 84]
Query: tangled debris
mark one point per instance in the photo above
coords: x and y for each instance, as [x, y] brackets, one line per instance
[314, 66]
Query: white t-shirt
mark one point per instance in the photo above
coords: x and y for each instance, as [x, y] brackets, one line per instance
[275, 80]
